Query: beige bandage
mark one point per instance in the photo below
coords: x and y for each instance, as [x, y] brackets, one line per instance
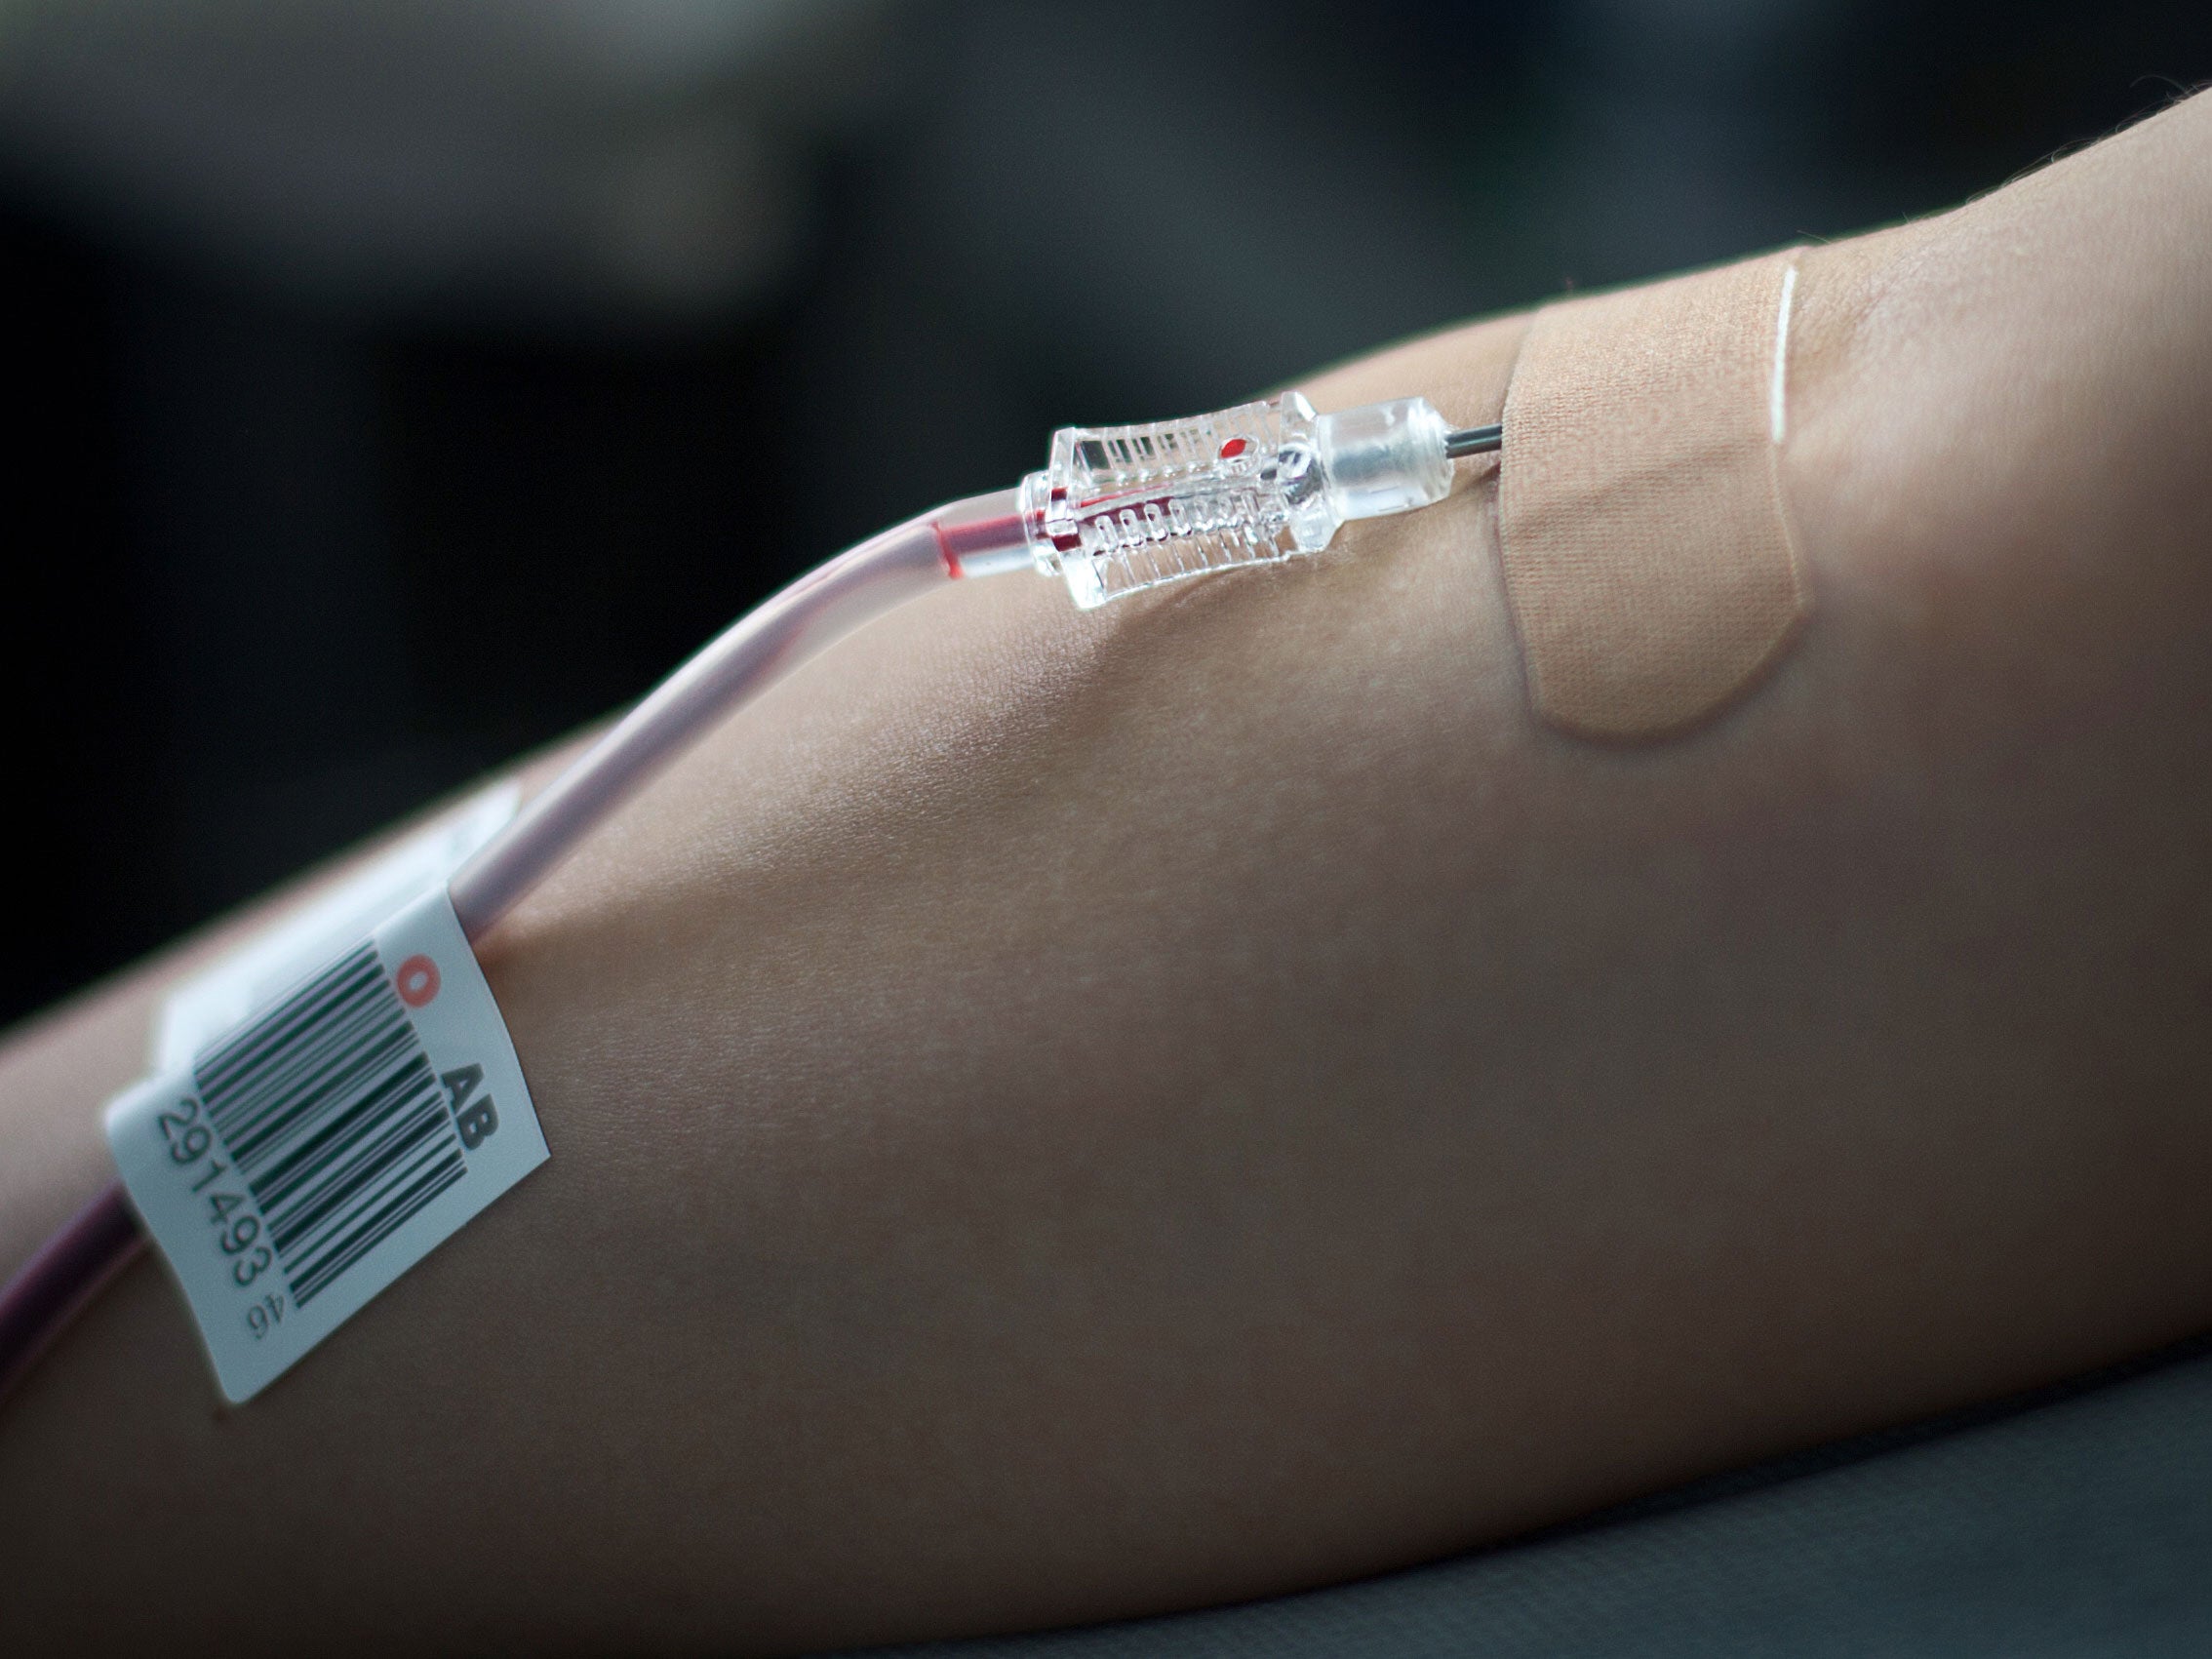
[1649, 560]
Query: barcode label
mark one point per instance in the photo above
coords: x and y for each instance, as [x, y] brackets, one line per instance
[303, 1162]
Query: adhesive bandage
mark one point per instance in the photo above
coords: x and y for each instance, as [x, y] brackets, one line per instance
[1648, 557]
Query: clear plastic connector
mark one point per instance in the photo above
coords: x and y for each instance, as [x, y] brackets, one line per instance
[1124, 508]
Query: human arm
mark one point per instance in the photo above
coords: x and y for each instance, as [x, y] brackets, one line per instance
[1060, 1116]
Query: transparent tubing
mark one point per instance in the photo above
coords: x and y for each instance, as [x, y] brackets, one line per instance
[792, 628]
[981, 535]
[68, 1270]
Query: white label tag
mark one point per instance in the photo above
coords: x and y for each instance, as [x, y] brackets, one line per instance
[304, 1161]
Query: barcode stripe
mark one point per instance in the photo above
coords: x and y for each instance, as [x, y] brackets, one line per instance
[220, 1058]
[332, 1114]
[341, 1134]
[363, 1055]
[276, 1079]
[449, 1168]
[218, 1066]
[254, 1073]
[324, 1232]
[338, 1195]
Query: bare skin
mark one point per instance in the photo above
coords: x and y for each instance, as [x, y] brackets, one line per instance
[1058, 1118]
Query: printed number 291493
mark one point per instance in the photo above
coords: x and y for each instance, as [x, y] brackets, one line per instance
[236, 1229]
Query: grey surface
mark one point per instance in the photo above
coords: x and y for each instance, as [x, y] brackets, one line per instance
[2076, 1524]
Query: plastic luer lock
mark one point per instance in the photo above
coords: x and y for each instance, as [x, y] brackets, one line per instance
[1124, 508]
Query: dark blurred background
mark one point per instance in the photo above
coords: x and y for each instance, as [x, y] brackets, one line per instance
[404, 383]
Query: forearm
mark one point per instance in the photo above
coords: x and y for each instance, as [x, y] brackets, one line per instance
[1056, 1117]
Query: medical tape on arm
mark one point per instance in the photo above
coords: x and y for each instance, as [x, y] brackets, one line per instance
[1648, 557]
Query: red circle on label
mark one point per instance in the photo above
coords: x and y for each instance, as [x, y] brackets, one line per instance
[416, 981]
